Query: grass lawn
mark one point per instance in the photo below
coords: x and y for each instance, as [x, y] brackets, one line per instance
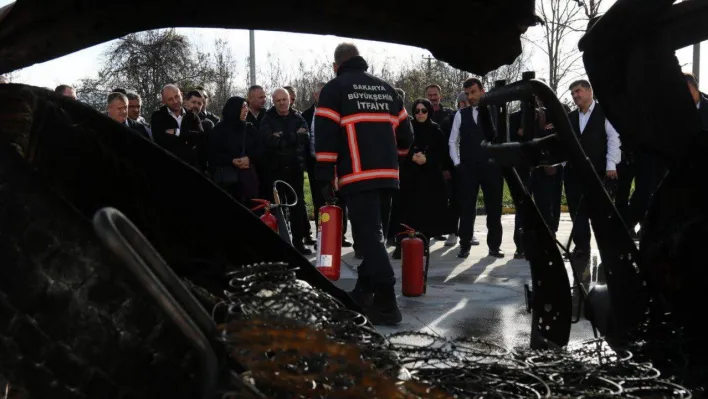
[308, 198]
[507, 201]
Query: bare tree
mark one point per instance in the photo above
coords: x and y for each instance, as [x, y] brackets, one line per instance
[146, 62]
[561, 22]
[305, 81]
[93, 92]
[223, 85]
[273, 75]
[418, 74]
[591, 7]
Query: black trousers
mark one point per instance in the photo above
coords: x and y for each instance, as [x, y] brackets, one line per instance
[394, 210]
[386, 213]
[453, 198]
[368, 212]
[298, 214]
[489, 178]
[578, 209]
[547, 192]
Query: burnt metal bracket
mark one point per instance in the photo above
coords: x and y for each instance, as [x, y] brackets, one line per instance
[626, 283]
[549, 299]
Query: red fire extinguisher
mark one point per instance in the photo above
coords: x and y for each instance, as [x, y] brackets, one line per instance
[329, 242]
[414, 249]
[268, 218]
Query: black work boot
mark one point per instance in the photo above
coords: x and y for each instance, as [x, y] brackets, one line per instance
[362, 294]
[384, 310]
[301, 248]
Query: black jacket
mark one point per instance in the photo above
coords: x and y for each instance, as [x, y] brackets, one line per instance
[309, 114]
[138, 127]
[426, 209]
[446, 127]
[441, 114]
[210, 116]
[233, 138]
[286, 149]
[188, 144]
[255, 121]
[361, 127]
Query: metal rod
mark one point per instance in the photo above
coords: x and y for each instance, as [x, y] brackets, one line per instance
[125, 241]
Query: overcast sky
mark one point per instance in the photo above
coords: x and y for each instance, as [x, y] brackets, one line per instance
[289, 47]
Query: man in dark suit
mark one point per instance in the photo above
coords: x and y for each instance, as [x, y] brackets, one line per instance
[117, 109]
[256, 106]
[194, 101]
[177, 130]
[285, 136]
[135, 105]
[205, 115]
[475, 171]
[601, 144]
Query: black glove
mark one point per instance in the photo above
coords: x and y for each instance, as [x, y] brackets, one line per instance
[328, 192]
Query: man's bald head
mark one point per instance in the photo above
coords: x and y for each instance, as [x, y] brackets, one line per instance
[281, 99]
[172, 97]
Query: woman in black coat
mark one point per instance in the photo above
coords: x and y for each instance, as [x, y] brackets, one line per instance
[234, 145]
[424, 205]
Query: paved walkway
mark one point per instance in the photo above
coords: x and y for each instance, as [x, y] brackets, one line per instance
[479, 296]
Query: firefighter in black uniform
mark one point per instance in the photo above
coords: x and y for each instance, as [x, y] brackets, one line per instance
[361, 127]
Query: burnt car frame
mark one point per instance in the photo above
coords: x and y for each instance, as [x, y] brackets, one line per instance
[627, 54]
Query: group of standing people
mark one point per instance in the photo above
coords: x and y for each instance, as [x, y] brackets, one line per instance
[266, 146]
[385, 167]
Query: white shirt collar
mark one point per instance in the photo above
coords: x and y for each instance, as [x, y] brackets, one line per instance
[181, 112]
[592, 107]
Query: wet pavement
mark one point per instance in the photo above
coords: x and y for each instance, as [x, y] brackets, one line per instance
[479, 296]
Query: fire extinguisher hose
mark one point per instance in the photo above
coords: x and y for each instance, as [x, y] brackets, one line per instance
[292, 190]
[267, 204]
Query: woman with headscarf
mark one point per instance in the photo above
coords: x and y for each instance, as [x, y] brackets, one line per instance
[424, 205]
[234, 145]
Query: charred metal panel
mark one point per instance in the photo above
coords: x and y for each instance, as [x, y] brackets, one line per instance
[35, 31]
[93, 162]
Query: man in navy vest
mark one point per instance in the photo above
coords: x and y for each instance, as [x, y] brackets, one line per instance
[601, 144]
[474, 170]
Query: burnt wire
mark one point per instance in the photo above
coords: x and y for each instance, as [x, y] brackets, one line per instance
[298, 342]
